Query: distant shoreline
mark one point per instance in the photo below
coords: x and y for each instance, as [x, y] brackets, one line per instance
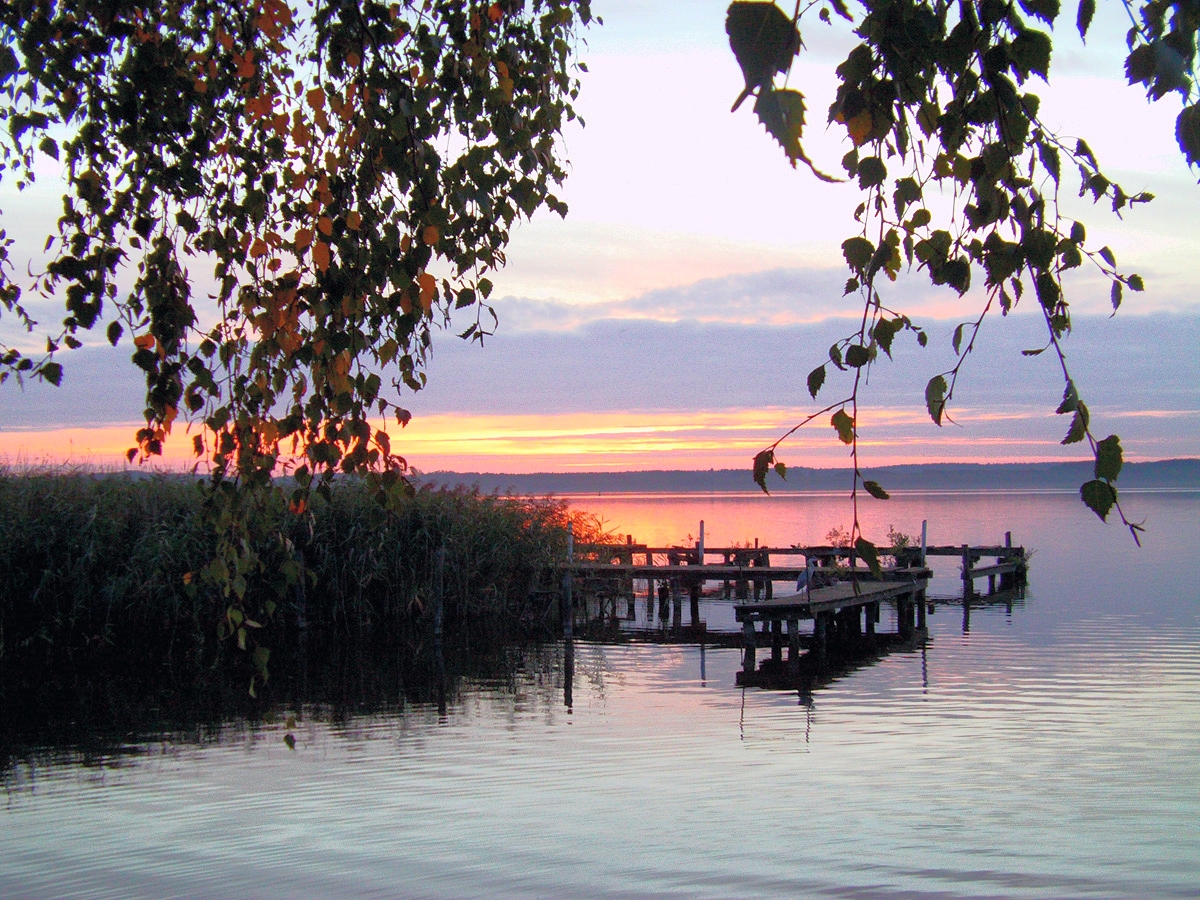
[1135, 476]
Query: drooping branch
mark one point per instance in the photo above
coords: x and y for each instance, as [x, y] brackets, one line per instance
[935, 101]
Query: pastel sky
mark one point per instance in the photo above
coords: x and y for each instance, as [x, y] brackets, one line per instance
[670, 320]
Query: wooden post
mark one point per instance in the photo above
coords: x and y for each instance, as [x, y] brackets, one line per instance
[748, 635]
[568, 673]
[568, 615]
[694, 596]
[1007, 579]
[967, 579]
[924, 538]
[676, 604]
[768, 585]
[700, 546]
[627, 558]
[871, 610]
[664, 602]
[919, 602]
[793, 628]
[966, 625]
[903, 618]
[850, 622]
[649, 583]
[776, 641]
[821, 635]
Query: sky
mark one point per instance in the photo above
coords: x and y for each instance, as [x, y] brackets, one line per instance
[670, 320]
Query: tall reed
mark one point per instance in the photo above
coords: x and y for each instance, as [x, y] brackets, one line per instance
[95, 572]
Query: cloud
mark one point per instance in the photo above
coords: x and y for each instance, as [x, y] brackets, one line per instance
[770, 297]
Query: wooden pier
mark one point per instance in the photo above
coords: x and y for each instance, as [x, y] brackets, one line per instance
[751, 573]
[843, 597]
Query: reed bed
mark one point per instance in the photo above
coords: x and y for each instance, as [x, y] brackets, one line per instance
[94, 574]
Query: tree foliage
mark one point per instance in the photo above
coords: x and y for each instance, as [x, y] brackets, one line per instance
[348, 172]
[960, 177]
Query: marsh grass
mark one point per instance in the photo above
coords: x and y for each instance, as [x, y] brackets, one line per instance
[97, 586]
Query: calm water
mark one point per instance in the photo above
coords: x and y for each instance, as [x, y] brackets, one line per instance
[1050, 752]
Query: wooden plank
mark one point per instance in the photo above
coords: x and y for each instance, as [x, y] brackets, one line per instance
[998, 569]
[706, 572]
[719, 572]
[827, 599]
[814, 551]
[975, 551]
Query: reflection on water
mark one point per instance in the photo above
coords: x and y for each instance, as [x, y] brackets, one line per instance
[1050, 752]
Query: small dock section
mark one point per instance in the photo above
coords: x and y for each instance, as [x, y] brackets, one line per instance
[842, 613]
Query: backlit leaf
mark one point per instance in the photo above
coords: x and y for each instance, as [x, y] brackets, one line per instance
[1083, 18]
[869, 554]
[884, 332]
[860, 127]
[935, 398]
[764, 42]
[871, 172]
[873, 488]
[320, 254]
[1079, 425]
[857, 356]
[428, 286]
[1099, 496]
[51, 372]
[816, 378]
[835, 356]
[1187, 133]
[762, 464]
[782, 114]
[1070, 400]
[1109, 458]
[844, 425]
[858, 252]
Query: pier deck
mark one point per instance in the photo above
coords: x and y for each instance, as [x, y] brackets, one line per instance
[827, 599]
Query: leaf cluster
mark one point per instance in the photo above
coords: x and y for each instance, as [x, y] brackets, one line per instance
[350, 172]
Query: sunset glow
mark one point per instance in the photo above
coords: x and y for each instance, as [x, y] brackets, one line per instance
[628, 441]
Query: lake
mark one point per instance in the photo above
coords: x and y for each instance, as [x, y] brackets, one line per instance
[1053, 750]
